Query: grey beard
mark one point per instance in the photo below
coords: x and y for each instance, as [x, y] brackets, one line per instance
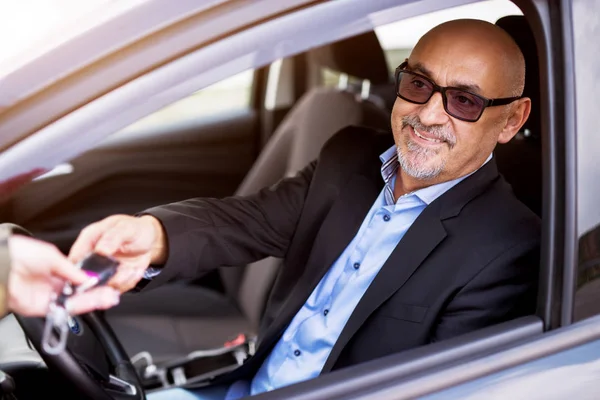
[419, 155]
[413, 163]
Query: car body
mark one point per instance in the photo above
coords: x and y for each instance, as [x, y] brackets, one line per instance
[61, 106]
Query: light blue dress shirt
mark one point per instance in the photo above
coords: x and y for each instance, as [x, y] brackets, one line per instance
[304, 347]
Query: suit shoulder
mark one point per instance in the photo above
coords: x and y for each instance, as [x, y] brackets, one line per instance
[509, 213]
[358, 140]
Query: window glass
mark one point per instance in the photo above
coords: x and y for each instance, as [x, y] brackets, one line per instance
[399, 38]
[230, 95]
[331, 78]
[586, 30]
[280, 85]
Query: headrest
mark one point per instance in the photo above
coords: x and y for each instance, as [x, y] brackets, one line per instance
[359, 56]
[519, 29]
[520, 160]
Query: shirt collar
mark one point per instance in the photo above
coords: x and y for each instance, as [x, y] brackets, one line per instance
[389, 167]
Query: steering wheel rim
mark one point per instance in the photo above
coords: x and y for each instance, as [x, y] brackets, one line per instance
[71, 368]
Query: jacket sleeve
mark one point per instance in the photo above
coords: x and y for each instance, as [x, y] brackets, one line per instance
[4, 268]
[505, 289]
[203, 234]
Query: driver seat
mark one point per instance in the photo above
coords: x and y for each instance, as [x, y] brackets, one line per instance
[176, 319]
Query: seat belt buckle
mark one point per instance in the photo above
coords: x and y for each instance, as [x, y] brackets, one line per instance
[238, 341]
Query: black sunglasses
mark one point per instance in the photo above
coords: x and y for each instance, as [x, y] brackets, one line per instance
[458, 103]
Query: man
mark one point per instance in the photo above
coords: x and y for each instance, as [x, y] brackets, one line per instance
[387, 245]
[31, 272]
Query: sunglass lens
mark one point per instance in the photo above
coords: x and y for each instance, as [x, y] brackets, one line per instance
[414, 88]
[464, 105]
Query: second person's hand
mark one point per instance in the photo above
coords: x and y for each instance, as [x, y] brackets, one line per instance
[39, 271]
[136, 242]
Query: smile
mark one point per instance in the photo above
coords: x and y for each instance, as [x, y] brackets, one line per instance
[423, 137]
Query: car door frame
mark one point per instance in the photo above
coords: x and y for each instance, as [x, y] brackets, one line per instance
[163, 83]
[404, 376]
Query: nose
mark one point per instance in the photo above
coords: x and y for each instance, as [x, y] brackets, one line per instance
[432, 112]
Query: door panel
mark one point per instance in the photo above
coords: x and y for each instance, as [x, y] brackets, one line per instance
[202, 145]
[570, 374]
[128, 175]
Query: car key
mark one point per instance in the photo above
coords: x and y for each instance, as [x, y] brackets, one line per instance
[100, 269]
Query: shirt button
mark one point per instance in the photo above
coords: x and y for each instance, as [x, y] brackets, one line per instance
[325, 312]
[386, 218]
[356, 265]
[297, 353]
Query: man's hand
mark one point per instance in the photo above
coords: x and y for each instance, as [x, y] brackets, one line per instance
[135, 242]
[39, 271]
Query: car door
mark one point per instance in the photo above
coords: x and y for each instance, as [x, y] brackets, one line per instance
[202, 145]
[441, 365]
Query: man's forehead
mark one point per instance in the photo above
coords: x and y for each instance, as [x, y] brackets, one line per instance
[470, 54]
[463, 75]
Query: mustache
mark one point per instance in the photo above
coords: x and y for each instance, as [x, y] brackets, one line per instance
[439, 132]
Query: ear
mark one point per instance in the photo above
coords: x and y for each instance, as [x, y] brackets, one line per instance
[516, 118]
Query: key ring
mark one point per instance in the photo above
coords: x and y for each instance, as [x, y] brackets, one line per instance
[99, 269]
[56, 321]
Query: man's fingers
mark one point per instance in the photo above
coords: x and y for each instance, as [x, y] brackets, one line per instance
[126, 278]
[118, 280]
[96, 299]
[89, 237]
[86, 241]
[115, 238]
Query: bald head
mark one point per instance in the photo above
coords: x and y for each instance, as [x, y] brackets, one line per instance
[451, 133]
[475, 41]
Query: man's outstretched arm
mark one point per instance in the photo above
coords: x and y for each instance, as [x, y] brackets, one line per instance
[193, 236]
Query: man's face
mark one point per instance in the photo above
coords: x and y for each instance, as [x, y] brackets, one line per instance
[432, 145]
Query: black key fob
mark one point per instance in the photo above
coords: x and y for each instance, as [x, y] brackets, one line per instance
[100, 267]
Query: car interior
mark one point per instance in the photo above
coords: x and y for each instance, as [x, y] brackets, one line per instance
[186, 331]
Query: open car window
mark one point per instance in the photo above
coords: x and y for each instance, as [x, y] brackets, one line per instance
[229, 96]
[238, 149]
[398, 38]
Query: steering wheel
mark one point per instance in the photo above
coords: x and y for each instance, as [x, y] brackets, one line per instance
[94, 359]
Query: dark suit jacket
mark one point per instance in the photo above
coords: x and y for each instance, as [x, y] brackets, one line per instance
[469, 260]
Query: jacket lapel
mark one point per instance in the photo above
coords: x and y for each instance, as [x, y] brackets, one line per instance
[420, 240]
[425, 234]
[342, 224]
[338, 230]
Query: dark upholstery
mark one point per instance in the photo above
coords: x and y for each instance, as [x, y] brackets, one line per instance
[175, 320]
[359, 56]
[520, 160]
